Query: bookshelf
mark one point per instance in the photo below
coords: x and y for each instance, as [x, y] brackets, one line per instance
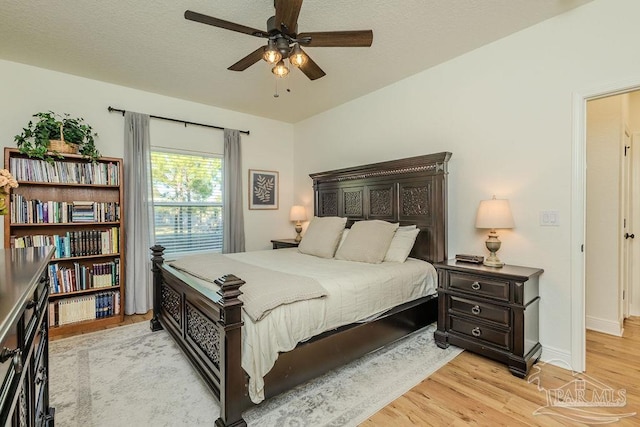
[77, 207]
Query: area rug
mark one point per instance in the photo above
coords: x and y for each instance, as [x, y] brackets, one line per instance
[132, 376]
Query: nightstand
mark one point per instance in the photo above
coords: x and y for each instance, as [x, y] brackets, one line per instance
[490, 311]
[284, 243]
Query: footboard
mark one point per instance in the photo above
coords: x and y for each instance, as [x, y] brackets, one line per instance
[207, 326]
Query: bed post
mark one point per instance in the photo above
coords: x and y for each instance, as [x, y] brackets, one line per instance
[232, 380]
[156, 261]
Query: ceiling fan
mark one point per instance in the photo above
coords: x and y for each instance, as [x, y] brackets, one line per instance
[284, 41]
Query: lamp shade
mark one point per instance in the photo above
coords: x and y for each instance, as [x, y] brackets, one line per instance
[297, 213]
[494, 213]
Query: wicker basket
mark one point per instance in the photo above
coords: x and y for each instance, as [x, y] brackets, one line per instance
[61, 146]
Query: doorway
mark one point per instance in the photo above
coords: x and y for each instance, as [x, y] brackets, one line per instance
[612, 197]
[579, 246]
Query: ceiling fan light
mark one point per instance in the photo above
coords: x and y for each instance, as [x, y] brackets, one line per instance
[280, 70]
[271, 53]
[297, 57]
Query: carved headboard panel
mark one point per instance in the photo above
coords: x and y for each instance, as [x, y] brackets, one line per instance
[408, 191]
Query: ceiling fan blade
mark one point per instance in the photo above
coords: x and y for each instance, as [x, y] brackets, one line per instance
[248, 60]
[220, 23]
[311, 69]
[287, 12]
[362, 38]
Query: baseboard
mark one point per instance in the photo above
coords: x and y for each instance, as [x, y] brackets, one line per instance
[604, 326]
[556, 357]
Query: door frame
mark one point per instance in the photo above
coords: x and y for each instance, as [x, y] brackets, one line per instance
[626, 213]
[634, 284]
[578, 211]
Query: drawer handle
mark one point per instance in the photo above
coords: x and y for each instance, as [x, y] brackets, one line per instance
[476, 332]
[42, 375]
[6, 354]
[475, 286]
[16, 354]
[41, 379]
[475, 310]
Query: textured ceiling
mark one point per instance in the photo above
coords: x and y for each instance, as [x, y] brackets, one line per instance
[149, 45]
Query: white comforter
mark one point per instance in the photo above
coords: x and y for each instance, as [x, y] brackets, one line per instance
[355, 290]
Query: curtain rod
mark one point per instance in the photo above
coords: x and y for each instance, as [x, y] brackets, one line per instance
[111, 110]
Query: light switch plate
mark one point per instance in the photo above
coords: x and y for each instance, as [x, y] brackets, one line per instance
[550, 218]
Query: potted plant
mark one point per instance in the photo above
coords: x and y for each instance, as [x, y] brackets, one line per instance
[52, 134]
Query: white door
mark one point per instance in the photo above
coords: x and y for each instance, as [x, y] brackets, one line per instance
[626, 273]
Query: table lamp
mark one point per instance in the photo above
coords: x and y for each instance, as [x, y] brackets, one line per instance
[298, 214]
[492, 214]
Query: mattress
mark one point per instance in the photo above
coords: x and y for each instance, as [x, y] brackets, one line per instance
[355, 291]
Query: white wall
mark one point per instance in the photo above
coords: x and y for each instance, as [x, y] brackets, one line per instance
[26, 90]
[505, 112]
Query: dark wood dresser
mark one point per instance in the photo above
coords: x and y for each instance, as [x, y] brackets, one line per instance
[24, 349]
[490, 311]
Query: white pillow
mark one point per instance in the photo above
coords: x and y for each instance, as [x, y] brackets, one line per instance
[407, 227]
[401, 244]
[367, 241]
[345, 232]
[322, 236]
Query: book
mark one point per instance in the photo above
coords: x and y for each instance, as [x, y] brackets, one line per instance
[473, 259]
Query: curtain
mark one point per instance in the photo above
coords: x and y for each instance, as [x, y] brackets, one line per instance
[233, 217]
[139, 225]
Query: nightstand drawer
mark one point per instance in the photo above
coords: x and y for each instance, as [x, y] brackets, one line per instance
[491, 312]
[481, 332]
[479, 285]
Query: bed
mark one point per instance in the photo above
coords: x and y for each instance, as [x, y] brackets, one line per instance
[208, 322]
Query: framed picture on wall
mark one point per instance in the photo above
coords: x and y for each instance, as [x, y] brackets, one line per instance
[263, 189]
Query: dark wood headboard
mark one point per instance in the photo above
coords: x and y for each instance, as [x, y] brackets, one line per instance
[408, 191]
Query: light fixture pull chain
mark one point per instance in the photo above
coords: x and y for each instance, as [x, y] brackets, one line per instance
[275, 95]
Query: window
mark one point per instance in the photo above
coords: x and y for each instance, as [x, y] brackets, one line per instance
[187, 201]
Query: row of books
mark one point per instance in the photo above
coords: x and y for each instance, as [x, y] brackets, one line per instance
[51, 212]
[81, 277]
[82, 212]
[86, 307]
[73, 243]
[65, 172]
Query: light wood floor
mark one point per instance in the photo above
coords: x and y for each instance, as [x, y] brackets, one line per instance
[471, 390]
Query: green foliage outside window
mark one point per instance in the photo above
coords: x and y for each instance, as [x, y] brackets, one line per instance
[187, 198]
